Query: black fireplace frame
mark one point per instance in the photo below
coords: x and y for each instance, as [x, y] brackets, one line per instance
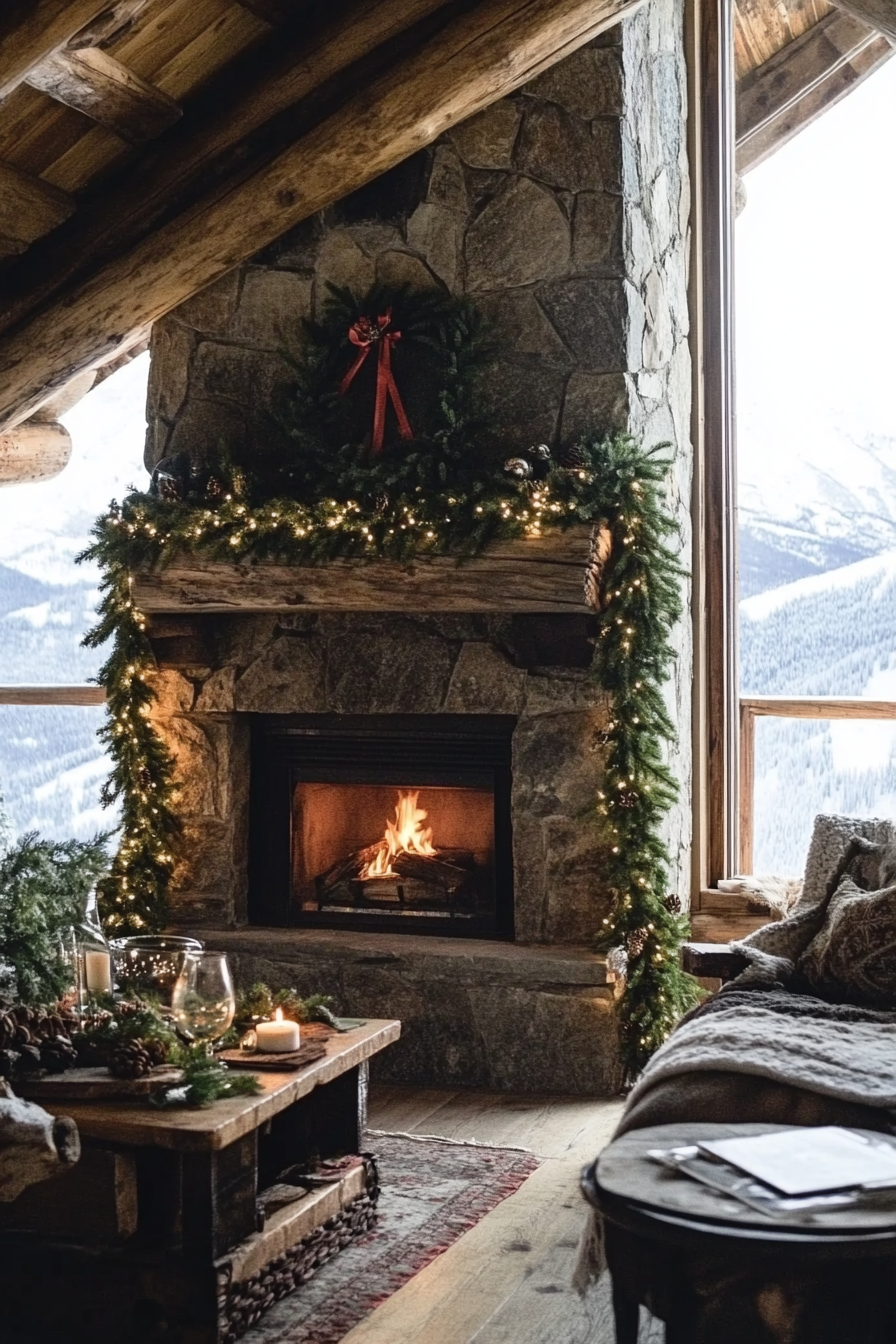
[460, 750]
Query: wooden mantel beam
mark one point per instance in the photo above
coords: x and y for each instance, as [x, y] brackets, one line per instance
[801, 81]
[481, 52]
[30, 30]
[530, 574]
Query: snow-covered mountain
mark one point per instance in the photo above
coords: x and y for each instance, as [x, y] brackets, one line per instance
[814, 508]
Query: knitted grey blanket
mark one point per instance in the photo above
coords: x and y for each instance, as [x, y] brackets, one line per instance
[833, 1049]
[758, 1025]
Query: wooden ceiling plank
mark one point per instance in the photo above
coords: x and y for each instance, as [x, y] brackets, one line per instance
[802, 81]
[880, 14]
[95, 83]
[29, 34]
[763, 27]
[476, 58]
[167, 29]
[29, 207]
[34, 131]
[275, 12]
[215, 47]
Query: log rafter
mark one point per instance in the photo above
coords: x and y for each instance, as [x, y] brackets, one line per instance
[400, 94]
[29, 33]
[93, 82]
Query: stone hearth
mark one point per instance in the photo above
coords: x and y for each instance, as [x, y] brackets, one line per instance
[562, 211]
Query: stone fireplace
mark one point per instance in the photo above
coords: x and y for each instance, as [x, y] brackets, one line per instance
[302, 728]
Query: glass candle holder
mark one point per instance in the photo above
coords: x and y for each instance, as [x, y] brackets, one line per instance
[92, 958]
[203, 1003]
[147, 966]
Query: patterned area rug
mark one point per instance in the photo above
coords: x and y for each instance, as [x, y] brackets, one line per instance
[432, 1192]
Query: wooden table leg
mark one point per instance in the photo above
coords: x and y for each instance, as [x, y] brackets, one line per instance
[626, 1314]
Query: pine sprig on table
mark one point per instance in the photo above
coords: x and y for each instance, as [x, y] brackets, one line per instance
[206, 1079]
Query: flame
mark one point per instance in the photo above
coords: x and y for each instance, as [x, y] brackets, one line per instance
[403, 836]
[278, 1015]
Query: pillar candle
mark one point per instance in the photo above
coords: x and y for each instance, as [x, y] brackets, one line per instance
[277, 1037]
[98, 972]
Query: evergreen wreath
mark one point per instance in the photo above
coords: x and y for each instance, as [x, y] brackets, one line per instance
[443, 488]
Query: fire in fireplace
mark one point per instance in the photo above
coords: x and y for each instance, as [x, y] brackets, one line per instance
[385, 821]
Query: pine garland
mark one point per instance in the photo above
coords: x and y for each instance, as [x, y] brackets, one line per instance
[641, 603]
[429, 496]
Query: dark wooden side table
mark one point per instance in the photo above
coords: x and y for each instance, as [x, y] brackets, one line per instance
[157, 1235]
[718, 1273]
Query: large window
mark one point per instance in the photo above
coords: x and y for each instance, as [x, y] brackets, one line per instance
[51, 764]
[816, 374]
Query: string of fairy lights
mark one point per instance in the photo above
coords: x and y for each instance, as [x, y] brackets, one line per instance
[614, 482]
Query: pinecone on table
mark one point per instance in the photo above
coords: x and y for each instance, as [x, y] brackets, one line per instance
[156, 1049]
[57, 1054]
[130, 1060]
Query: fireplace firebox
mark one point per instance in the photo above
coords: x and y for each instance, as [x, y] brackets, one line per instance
[382, 822]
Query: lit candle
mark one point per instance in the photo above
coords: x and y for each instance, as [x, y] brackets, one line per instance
[277, 1037]
[98, 972]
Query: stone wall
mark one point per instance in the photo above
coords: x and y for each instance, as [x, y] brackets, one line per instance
[562, 211]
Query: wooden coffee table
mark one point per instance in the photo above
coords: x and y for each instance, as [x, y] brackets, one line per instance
[155, 1235]
[715, 1270]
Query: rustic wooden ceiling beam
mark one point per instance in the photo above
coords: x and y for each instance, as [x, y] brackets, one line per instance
[93, 82]
[801, 81]
[879, 14]
[30, 32]
[29, 208]
[479, 55]
[257, 107]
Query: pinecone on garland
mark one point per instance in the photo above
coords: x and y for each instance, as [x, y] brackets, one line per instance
[673, 904]
[635, 942]
[130, 1060]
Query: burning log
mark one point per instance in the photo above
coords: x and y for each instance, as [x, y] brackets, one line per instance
[404, 868]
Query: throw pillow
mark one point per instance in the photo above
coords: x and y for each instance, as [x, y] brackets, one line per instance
[830, 837]
[852, 958]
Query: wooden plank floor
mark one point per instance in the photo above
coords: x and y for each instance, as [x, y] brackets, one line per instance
[507, 1280]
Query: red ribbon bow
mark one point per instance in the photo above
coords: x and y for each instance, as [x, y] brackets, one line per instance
[366, 334]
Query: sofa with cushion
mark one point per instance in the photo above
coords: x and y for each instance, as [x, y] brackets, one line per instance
[805, 1034]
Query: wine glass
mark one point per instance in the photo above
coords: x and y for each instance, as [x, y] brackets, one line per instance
[202, 1001]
